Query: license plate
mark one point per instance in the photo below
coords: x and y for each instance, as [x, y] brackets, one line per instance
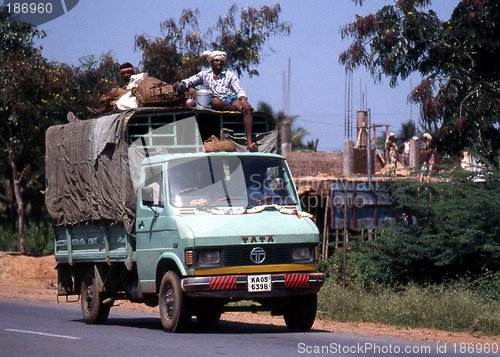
[257, 283]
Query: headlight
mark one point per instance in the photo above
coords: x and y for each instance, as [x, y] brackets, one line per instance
[208, 257]
[301, 253]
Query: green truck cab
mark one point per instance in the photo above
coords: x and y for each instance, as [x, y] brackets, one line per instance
[142, 212]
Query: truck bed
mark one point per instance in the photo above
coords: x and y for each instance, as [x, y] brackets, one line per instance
[84, 244]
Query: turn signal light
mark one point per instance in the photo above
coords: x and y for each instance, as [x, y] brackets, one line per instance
[189, 258]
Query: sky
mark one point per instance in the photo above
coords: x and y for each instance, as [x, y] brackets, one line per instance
[317, 80]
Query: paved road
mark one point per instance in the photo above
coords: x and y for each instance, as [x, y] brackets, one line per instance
[42, 329]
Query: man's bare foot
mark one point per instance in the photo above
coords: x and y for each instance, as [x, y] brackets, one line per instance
[71, 117]
[252, 147]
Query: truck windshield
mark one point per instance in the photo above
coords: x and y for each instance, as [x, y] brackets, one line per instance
[214, 181]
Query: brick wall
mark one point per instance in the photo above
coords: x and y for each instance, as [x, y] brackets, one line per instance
[330, 163]
[360, 161]
[314, 163]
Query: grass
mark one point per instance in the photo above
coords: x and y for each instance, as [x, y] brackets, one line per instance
[454, 307]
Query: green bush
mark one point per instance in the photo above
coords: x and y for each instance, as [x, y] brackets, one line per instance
[39, 239]
[456, 233]
[9, 242]
[332, 267]
[487, 286]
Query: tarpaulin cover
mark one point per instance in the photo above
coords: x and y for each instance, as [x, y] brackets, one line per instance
[266, 142]
[88, 176]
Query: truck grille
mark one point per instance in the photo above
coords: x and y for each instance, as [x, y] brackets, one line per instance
[240, 255]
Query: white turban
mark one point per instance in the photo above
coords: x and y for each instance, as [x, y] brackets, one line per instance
[215, 55]
[428, 136]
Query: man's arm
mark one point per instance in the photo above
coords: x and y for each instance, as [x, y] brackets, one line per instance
[193, 80]
[240, 92]
[234, 84]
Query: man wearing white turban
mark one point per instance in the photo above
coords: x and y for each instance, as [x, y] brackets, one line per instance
[228, 95]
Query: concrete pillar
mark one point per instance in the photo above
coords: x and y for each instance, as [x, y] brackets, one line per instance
[286, 145]
[362, 129]
[414, 154]
[348, 158]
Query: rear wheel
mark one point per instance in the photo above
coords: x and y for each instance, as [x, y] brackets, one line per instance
[300, 315]
[175, 311]
[94, 311]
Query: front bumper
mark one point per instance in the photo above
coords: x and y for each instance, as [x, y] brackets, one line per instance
[236, 286]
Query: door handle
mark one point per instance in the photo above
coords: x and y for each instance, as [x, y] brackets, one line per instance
[141, 225]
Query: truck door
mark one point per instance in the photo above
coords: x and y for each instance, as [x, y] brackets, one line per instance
[154, 225]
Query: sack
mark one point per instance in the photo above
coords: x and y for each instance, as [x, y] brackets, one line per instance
[153, 92]
[213, 144]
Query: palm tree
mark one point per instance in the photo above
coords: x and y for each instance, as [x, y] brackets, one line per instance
[297, 134]
[407, 131]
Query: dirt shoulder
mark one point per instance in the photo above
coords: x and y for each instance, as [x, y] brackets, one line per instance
[34, 279]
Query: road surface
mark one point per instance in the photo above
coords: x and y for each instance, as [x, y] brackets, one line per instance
[43, 329]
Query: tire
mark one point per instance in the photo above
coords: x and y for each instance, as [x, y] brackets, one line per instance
[93, 309]
[300, 315]
[175, 311]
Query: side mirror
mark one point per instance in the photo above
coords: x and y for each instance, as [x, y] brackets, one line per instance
[147, 196]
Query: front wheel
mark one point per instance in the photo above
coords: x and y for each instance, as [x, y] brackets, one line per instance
[300, 315]
[94, 311]
[174, 307]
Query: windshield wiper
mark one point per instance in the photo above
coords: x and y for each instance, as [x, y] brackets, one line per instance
[213, 202]
[262, 199]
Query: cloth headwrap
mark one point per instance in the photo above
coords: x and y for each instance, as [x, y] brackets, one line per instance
[214, 55]
[126, 70]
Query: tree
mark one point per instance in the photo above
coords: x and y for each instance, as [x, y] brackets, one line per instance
[407, 130]
[298, 135]
[34, 94]
[20, 67]
[458, 60]
[93, 78]
[177, 54]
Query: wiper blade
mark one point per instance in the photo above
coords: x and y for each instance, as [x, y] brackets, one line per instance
[212, 203]
[262, 199]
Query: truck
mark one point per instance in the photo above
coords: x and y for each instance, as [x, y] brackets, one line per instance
[143, 211]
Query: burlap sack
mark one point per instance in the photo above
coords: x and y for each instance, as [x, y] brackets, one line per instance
[213, 144]
[153, 92]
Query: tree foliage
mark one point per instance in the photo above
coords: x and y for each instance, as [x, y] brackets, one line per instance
[35, 94]
[242, 34]
[458, 60]
[94, 77]
[20, 67]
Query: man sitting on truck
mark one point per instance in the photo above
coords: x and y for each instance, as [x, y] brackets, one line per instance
[228, 95]
[109, 100]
